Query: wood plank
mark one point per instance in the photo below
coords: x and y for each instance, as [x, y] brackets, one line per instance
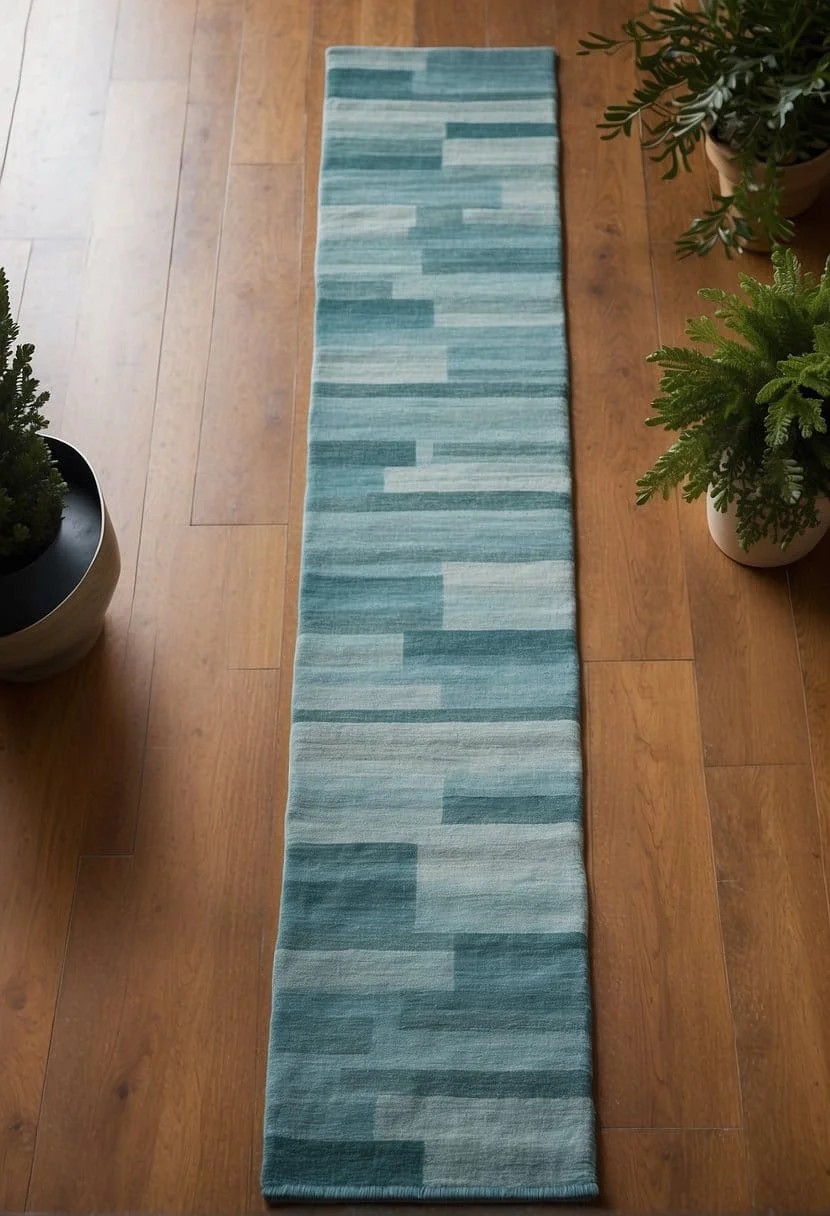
[674, 1171]
[749, 682]
[336, 23]
[14, 259]
[810, 587]
[49, 177]
[244, 461]
[623, 550]
[270, 115]
[112, 386]
[181, 380]
[462, 23]
[49, 316]
[776, 935]
[664, 1039]
[151, 1078]
[154, 40]
[254, 596]
[387, 22]
[672, 205]
[54, 737]
[530, 23]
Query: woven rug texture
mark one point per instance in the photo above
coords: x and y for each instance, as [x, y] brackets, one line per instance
[431, 1021]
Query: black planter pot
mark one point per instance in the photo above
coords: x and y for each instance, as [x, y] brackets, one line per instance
[52, 610]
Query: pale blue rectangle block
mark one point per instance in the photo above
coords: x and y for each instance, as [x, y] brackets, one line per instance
[507, 1120]
[537, 109]
[439, 744]
[462, 290]
[378, 650]
[365, 970]
[485, 1050]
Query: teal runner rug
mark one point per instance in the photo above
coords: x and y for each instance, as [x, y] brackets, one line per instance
[431, 1024]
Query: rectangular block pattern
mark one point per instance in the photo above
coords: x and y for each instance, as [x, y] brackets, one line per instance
[431, 1028]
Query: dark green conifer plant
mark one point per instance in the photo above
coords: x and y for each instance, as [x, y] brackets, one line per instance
[31, 487]
[752, 414]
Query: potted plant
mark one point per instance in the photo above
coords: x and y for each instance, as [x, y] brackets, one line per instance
[59, 560]
[751, 79]
[752, 416]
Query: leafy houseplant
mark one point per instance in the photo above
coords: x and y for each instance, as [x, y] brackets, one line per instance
[752, 415]
[752, 78]
[31, 487]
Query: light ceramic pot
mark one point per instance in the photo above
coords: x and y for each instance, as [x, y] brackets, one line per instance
[52, 610]
[722, 528]
[801, 183]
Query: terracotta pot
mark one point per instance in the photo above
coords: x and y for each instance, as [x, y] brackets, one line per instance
[722, 528]
[52, 610]
[801, 183]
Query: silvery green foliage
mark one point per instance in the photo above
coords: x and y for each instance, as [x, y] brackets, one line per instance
[755, 73]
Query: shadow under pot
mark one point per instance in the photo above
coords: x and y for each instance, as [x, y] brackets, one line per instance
[52, 609]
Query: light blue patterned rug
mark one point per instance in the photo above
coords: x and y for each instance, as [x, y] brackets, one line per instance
[431, 1025]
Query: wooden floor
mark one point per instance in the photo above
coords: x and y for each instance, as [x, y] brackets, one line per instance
[157, 221]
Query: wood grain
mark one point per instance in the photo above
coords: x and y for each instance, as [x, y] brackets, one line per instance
[51, 165]
[777, 939]
[672, 205]
[674, 1171]
[242, 475]
[629, 562]
[254, 596]
[154, 40]
[112, 385]
[52, 738]
[749, 682]
[387, 22]
[182, 368]
[810, 587]
[270, 113]
[664, 1037]
[155, 1033]
[531, 23]
[462, 23]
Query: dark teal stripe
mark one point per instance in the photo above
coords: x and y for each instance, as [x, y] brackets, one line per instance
[368, 83]
[326, 1036]
[327, 1163]
[360, 452]
[371, 605]
[547, 713]
[482, 390]
[433, 500]
[526, 809]
[499, 130]
[542, 1083]
[396, 164]
[340, 316]
[488, 646]
[494, 261]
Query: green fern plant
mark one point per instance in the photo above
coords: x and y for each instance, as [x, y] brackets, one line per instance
[752, 415]
[31, 487]
[755, 74]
